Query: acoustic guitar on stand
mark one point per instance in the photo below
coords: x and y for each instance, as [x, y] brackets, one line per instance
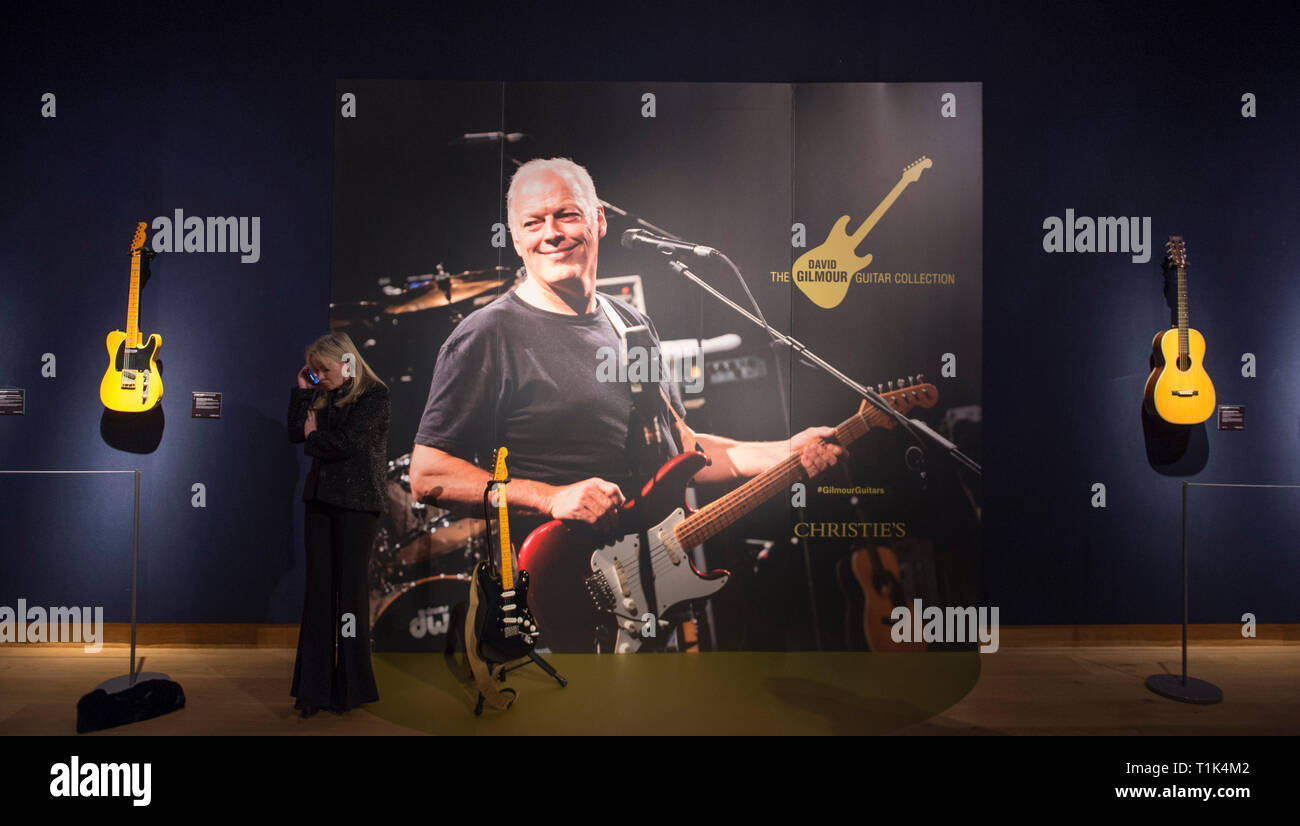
[1178, 389]
[872, 582]
[132, 383]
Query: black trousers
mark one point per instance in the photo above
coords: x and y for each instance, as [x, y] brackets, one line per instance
[333, 665]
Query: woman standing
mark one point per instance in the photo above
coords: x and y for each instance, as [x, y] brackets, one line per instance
[340, 411]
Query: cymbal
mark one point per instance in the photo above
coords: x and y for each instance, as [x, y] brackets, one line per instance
[435, 295]
[346, 313]
[467, 275]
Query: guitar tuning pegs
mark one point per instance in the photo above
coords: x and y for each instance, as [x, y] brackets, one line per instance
[880, 388]
[911, 380]
[901, 385]
[920, 378]
[891, 385]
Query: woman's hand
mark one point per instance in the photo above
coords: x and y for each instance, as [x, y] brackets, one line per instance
[309, 426]
[304, 383]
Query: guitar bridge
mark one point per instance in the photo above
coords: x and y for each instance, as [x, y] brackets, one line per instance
[128, 379]
[1185, 393]
[601, 594]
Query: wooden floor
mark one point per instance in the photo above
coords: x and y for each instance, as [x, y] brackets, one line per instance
[1018, 690]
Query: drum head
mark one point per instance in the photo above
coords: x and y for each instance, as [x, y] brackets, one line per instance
[419, 616]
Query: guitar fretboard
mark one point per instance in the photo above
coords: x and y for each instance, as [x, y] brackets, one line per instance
[711, 519]
[503, 520]
[133, 303]
[1182, 311]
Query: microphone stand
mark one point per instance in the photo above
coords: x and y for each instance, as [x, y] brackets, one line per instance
[809, 356]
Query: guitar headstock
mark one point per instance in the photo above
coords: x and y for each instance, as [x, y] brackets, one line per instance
[902, 395]
[499, 465]
[912, 173]
[137, 243]
[1176, 251]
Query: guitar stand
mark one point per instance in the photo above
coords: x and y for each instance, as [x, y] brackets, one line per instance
[501, 670]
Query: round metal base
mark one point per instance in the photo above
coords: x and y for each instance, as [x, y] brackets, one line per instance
[125, 681]
[1192, 691]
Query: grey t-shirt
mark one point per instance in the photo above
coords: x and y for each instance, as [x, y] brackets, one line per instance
[515, 375]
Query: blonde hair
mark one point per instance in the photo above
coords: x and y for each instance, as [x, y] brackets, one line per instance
[336, 347]
[578, 178]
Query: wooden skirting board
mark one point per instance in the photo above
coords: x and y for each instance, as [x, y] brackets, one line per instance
[253, 635]
[1039, 636]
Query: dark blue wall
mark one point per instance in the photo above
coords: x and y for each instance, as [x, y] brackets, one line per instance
[1105, 109]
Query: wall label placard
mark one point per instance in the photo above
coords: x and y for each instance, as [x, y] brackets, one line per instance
[205, 405]
[13, 402]
[1232, 417]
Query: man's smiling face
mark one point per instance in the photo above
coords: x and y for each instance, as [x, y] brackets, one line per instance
[556, 239]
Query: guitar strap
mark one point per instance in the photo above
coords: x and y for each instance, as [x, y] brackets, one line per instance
[485, 673]
[640, 334]
[646, 407]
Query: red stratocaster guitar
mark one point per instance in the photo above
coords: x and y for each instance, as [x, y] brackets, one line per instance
[572, 567]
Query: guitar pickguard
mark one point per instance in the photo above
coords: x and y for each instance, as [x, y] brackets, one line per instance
[616, 574]
[133, 382]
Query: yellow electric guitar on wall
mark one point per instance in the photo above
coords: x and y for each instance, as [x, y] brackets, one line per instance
[1178, 389]
[823, 274]
[132, 383]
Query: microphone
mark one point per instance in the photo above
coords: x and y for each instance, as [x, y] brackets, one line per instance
[487, 137]
[637, 238]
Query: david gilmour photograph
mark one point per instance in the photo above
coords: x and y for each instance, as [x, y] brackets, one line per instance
[515, 262]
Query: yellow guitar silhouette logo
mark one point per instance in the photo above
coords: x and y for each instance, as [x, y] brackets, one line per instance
[825, 272]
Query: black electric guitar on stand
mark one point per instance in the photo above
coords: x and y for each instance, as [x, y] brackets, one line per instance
[506, 630]
[500, 628]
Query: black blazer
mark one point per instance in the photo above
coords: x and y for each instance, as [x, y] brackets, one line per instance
[347, 448]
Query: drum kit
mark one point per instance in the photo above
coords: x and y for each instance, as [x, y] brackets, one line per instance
[420, 567]
[423, 556]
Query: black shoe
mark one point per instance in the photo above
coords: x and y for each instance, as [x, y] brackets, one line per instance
[308, 711]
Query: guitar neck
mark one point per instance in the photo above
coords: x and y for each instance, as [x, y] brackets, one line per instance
[1182, 311]
[714, 517]
[133, 303]
[503, 519]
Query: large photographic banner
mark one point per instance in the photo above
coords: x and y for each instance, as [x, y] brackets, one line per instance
[853, 212]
